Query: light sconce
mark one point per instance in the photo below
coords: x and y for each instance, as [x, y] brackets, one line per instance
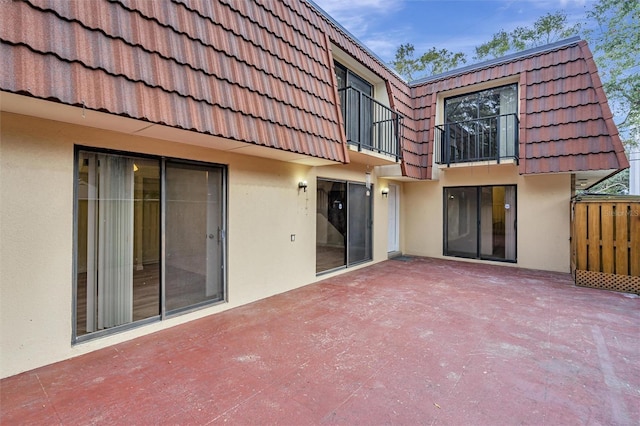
[302, 185]
[367, 180]
[385, 192]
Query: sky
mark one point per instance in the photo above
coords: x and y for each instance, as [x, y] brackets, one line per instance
[457, 25]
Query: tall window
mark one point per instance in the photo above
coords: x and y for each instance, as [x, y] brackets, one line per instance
[126, 212]
[480, 222]
[357, 107]
[481, 125]
[343, 224]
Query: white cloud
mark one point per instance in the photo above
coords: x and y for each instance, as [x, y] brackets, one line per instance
[384, 44]
[358, 15]
[334, 7]
[566, 3]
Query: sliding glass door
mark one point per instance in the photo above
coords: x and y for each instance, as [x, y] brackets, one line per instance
[480, 222]
[117, 200]
[359, 224]
[343, 224]
[119, 238]
[194, 237]
[461, 219]
[331, 225]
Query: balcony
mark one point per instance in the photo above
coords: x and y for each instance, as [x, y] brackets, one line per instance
[485, 139]
[370, 125]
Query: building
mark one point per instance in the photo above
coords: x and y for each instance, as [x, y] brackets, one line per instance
[165, 161]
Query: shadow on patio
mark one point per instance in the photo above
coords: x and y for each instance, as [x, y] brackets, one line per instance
[422, 341]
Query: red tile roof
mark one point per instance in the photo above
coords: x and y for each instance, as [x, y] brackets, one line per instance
[261, 72]
[203, 66]
[565, 122]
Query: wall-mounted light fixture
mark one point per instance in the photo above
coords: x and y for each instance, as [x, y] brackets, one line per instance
[302, 185]
[385, 192]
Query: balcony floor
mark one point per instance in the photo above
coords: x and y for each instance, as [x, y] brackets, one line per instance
[419, 341]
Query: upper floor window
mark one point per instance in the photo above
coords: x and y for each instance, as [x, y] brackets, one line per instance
[347, 78]
[480, 126]
[368, 124]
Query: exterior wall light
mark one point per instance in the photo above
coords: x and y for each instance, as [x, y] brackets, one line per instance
[385, 192]
[302, 185]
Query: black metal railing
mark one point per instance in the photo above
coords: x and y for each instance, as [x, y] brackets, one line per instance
[490, 138]
[369, 124]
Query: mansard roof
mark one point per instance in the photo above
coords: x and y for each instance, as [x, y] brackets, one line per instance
[565, 121]
[261, 72]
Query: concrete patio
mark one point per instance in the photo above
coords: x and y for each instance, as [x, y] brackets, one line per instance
[413, 341]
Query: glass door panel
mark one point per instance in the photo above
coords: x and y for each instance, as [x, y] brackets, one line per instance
[194, 234]
[461, 229]
[115, 284]
[510, 204]
[331, 225]
[363, 122]
[359, 224]
[498, 223]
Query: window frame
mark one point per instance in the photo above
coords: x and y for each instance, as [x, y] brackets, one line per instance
[492, 138]
[476, 92]
[478, 251]
[348, 263]
[163, 314]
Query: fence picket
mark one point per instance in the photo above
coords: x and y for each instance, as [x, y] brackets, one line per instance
[634, 240]
[593, 212]
[622, 239]
[580, 235]
[607, 217]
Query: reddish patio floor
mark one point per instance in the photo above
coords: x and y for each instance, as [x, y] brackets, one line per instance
[422, 341]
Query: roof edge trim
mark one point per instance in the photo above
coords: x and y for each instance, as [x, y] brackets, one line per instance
[497, 61]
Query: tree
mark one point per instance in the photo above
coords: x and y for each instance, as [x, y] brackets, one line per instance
[618, 184]
[546, 29]
[431, 62]
[615, 44]
[498, 46]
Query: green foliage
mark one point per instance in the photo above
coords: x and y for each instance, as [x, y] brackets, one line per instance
[498, 46]
[546, 29]
[404, 62]
[434, 61]
[615, 43]
[618, 184]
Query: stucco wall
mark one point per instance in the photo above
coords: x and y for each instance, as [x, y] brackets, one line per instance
[265, 208]
[543, 220]
[36, 232]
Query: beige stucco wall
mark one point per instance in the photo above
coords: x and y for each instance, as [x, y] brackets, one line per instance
[543, 219]
[265, 208]
[36, 232]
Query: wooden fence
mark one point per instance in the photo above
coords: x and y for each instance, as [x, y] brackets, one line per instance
[605, 243]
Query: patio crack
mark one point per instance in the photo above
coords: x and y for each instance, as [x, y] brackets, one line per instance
[48, 399]
[352, 394]
[255, 394]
